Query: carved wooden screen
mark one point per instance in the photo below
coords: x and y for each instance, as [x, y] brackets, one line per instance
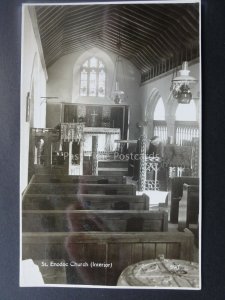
[160, 130]
[185, 131]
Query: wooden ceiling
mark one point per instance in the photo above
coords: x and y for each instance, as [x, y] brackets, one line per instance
[151, 34]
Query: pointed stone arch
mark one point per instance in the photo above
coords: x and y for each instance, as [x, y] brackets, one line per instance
[151, 104]
[159, 112]
[150, 108]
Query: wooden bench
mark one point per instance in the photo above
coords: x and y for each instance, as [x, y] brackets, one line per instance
[188, 207]
[112, 251]
[107, 202]
[176, 192]
[70, 188]
[78, 179]
[94, 220]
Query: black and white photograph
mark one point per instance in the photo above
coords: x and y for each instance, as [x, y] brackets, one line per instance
[111, 145]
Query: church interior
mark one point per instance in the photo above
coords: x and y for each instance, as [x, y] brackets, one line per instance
[110, 145]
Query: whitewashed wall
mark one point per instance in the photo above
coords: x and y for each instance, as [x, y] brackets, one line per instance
[33, 80]
[64, 82]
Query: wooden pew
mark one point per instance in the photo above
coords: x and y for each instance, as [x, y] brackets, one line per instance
[117, 251]
[94, 220]
[70, 188]
[102, 202]
[175, 194]
[51, 178]
[188, 207]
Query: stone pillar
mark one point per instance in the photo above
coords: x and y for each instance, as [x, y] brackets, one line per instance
[94, 155]
[142, 164]
[171, 130]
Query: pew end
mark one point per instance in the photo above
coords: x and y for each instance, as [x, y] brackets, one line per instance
[118, 250]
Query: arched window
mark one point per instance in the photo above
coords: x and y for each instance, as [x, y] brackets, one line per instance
[160, 126]
[186, 112]
[92, 78]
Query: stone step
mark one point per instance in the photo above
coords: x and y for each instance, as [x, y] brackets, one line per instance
[112, 169]
[113, 172]
[113, 164]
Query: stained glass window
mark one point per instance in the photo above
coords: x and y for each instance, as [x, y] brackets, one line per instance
[92, 78]
[83, 83]
[92, 83]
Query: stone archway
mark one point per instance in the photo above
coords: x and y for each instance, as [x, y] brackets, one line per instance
[150, 109]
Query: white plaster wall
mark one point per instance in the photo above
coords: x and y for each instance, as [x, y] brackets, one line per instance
[64, 82]
[32, 75]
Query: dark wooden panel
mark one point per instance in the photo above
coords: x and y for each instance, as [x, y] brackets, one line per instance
[120, 254]
[149, 251]
[50, 178]
[173, 250]
[85, 259]
[176, 192]
[53, 114]
[98, 220]
[188, 206]
[136, 252]
[69, 188]
[70, 114]
[160, 249]
[102, 202]
[120, 249]
[117, 118]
